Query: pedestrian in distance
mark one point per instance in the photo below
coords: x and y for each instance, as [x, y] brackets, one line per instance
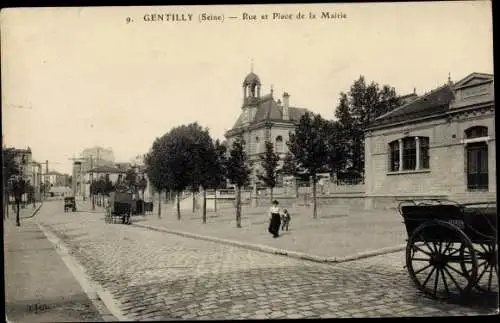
[274, 219]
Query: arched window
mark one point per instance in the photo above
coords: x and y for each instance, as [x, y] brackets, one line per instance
[279, 145]
[476, 132]
[409, 153]
[477, 158]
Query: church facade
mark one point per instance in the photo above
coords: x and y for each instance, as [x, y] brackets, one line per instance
[437, 145]
[262, 119]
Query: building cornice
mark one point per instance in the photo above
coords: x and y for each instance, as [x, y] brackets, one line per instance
[450, 113]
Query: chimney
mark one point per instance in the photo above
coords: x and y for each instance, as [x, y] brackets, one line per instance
[286, 105]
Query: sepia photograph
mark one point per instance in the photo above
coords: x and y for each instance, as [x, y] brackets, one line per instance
[249, 162]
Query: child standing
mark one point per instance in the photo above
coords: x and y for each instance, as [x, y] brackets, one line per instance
[285, 220]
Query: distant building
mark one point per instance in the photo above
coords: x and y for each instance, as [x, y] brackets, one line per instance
[24, 160]
[437, 145]
[37, 178]
[262, 119]
[95, 157]
[55, 178]
[137, 160]
[29, 169]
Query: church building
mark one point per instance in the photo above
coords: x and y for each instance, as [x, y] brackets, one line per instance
[262, 119]
[437, 145]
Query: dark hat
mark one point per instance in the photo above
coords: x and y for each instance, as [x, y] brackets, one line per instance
[276, 202]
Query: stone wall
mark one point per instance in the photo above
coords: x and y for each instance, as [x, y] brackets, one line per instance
[447, 172]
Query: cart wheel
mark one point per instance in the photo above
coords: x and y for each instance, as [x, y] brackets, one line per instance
[487, 267]
[434, 262]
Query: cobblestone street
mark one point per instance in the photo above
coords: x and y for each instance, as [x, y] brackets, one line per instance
[155, 275]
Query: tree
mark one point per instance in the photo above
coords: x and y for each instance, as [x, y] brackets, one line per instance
[141, 185]
[93, 192]
[9, 169]
[238, 173]
[211, 175]
[203, 169]
[108, 186]
[157, 168]
[357, 110]
[269, 161]
[290, 168]
[309, 148]
[182, 168]
[30, 189]
[18, 188]
[219, 172]
[12, 173]
[336, 147]
[199, 145]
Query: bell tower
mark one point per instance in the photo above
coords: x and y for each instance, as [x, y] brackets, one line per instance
[251, 87]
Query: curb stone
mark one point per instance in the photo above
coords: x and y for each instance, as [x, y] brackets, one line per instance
[103, 301]
[34, 212]
[282, 252]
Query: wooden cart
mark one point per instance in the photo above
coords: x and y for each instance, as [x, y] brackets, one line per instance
[120, 207]
[452, 247]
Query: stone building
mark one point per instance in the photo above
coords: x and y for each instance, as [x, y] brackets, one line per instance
[437, 145]
[262, 119]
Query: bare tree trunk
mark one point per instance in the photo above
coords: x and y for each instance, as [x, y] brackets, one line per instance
[296, 189]
[93, 202]
[238, 207]
[159, 205]
[179, 206]
[315, 211]
[204, 205]
[18, 219]
[271, 194]
[194, 201]
[215, 200]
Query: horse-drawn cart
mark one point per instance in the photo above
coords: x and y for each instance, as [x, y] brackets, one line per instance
[69, 203]
[452, 247]
[120, 207]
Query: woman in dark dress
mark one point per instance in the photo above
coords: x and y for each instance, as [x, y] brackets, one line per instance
[274, 219]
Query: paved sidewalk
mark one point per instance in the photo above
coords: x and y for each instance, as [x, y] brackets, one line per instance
[39, 287]
[338, 234]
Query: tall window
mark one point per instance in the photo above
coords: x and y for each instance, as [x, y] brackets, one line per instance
[477, 159]
[424, 152]
[279, 145]
[409, 153]
[394, 156]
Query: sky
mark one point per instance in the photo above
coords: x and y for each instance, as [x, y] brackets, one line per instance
[75, 78]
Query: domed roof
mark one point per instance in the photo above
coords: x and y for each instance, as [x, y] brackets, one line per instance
[251, 78]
